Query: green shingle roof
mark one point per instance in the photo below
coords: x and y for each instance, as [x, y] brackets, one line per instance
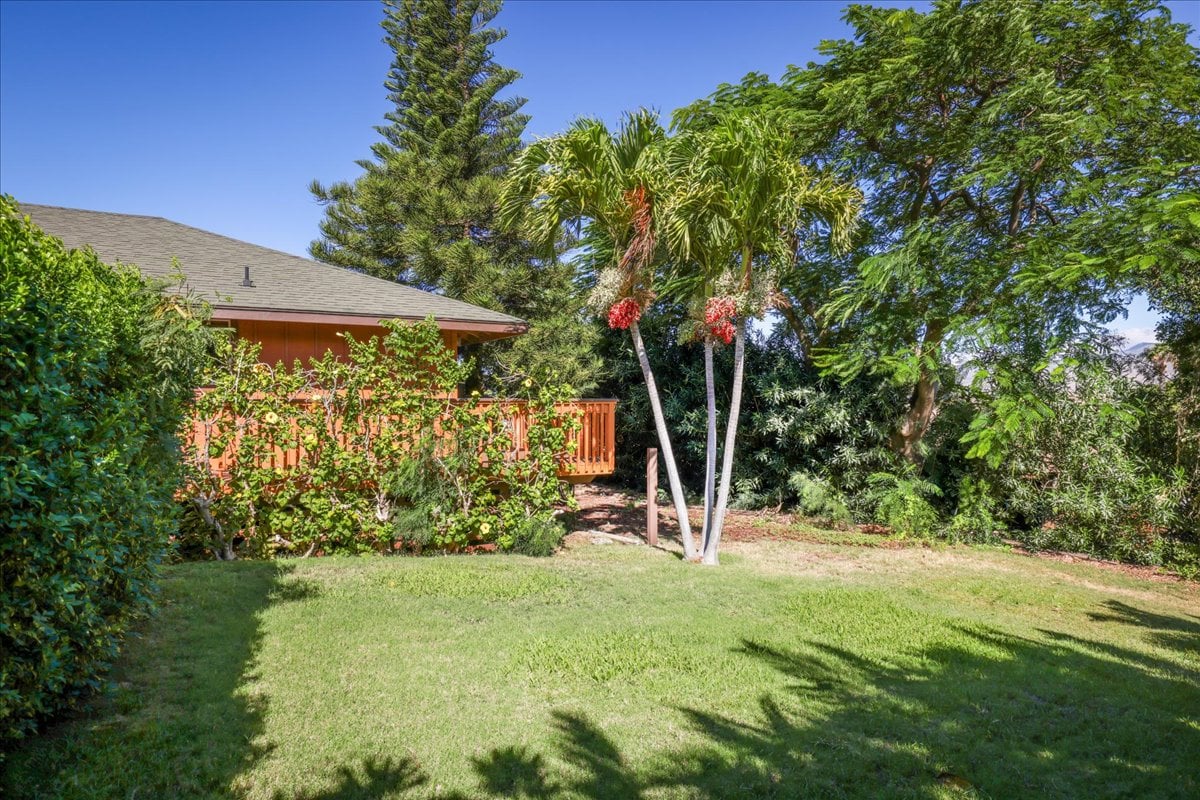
[214, 267]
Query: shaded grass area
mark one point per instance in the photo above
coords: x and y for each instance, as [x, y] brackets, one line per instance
[611, 672]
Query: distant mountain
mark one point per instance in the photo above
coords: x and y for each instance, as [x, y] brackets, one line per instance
[1139, 348]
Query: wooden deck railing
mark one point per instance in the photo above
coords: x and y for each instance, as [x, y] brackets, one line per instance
[595, 441]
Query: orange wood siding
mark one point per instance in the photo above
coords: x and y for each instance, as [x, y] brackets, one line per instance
[288, 341]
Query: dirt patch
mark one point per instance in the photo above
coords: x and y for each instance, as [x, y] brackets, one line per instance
[611, 511]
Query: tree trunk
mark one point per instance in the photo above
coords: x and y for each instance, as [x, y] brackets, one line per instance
[906, 439]
[710, 459]
[222, 548]
[735, 407]
[664, 444]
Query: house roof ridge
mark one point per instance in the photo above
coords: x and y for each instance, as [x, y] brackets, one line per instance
[24, 205]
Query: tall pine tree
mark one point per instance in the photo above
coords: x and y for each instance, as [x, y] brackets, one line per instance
[423, 211]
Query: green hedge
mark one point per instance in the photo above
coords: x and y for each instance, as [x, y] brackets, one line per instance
[96, 370]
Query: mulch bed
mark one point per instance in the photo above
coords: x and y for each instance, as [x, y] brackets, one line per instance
[609, 510]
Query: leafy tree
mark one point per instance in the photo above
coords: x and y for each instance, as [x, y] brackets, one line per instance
[999, 144]
[728, 198]
[424, 209]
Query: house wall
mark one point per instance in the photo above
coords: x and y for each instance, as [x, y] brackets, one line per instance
[288, 341]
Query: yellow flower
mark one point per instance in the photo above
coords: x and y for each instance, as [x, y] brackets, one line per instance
[485, 528]
[528, 382]
[271, 418]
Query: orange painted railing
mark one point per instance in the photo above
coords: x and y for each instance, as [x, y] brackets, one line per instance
[595, 441]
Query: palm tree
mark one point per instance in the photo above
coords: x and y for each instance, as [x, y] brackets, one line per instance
[736, 196]
[592, 179]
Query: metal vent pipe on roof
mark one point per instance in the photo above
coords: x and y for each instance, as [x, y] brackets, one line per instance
[246, 279]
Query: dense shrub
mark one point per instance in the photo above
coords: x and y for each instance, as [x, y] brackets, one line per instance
[96, 368]
[385, 456]
[1076, 478]
[816, 498]
[976, 518]
[1091, 453]
[903, 501]
[1169, 436]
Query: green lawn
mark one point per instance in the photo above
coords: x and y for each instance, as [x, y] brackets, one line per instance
[797, 669]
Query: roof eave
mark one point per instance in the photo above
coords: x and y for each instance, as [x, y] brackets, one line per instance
[474, 328]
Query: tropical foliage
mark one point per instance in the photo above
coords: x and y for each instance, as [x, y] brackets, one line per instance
[1005, 149]
[96, 368]
[1026, 169]
[384, 455]
[1022, 170]
[736, 198]
[602, 183]
[717, 208]
[1082, 480]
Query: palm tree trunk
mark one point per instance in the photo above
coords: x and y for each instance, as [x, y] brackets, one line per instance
[735, 408]
[664, 443]
[710, 460]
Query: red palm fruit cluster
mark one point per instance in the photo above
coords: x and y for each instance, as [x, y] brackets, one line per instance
[718, 317]
[624, 313]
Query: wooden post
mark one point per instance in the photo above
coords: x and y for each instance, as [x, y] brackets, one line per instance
[652, 496]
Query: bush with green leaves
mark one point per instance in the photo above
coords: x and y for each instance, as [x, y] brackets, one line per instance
[903, 502]
[1052, 458]
[816, 498]
[976, 517]
[1073, 477]
[373, 452]
[96, 370]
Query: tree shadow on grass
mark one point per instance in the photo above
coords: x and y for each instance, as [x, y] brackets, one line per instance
[983, 714]
[177, 721]
[1173, 633]
[978, 713]
[378, 778]
[516, 772]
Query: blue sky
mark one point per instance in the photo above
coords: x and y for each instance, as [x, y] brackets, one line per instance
[219, 114]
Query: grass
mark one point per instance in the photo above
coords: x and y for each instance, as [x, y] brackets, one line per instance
[797, 669]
